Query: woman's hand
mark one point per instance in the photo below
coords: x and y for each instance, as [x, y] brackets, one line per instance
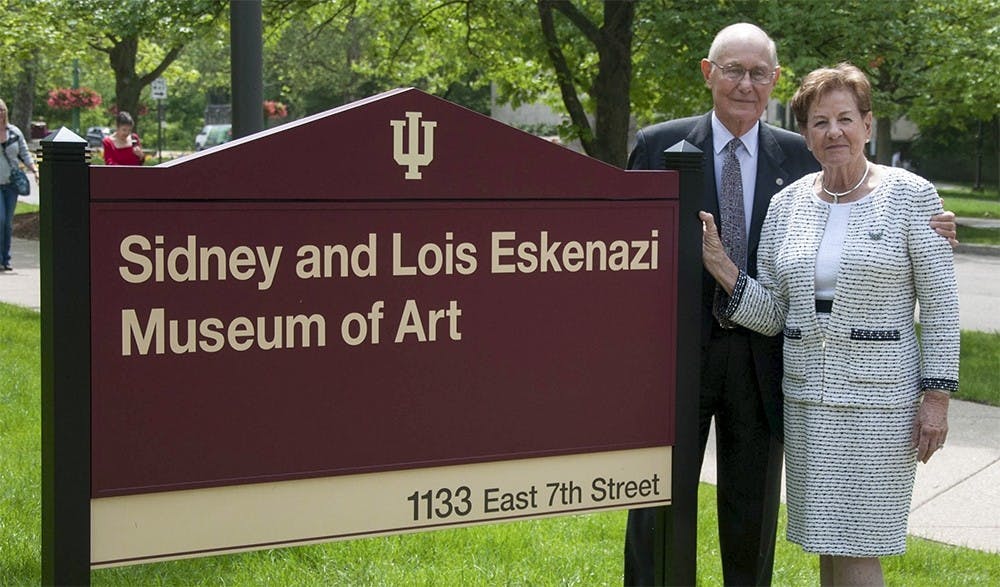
[714, 256]
[930, 428]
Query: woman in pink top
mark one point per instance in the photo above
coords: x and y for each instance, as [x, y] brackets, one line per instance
[122, 147]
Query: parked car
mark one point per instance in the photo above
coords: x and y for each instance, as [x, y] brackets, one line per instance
[199, 139]
[96, 134]
[212, 135]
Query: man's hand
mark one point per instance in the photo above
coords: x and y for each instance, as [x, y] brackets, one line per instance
[944, 224]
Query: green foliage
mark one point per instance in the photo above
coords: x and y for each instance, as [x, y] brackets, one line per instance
[925, 58]
[313, 56]
[169, 23]
[672, 37]
[957, 151]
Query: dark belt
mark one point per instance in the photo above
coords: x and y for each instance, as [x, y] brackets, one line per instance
[824, 306]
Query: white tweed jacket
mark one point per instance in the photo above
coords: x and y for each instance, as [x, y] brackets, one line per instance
[868, 353]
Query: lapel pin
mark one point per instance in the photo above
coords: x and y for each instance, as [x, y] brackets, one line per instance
[779, 181]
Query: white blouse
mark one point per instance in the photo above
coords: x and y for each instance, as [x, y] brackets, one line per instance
[828, 257]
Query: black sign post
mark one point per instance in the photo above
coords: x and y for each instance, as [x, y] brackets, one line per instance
[676, 563]
[65, 264]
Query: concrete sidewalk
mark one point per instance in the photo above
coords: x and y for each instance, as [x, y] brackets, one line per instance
[956, 499]
[974, 249]
[22, 285]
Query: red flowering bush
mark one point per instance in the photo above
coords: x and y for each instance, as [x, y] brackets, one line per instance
[69, 98]
[274, 109]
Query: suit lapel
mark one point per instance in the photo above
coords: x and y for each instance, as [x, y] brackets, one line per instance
[771, 178]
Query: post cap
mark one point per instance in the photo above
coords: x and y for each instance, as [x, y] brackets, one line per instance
[683, 147]
[63, 135]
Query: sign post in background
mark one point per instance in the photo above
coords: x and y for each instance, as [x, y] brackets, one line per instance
[158, 90]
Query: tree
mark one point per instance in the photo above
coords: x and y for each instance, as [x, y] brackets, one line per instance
[925, 58]
[311, 52]
[28, 55]
[119, 29]
[599, 62]
[612, 39]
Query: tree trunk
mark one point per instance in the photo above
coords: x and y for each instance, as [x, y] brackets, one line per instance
[613, 84]
[883, 141]
[23, 105]
[608, 139]
[127, 85]
[564, 77]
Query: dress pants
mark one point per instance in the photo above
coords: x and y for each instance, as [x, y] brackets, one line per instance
[748, 458]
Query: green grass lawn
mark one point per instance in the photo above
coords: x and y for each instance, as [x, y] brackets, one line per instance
[979, 368]
[965, 202]
[576, 550]
[24, 208]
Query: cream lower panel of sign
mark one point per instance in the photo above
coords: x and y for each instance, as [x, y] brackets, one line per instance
[200, 522]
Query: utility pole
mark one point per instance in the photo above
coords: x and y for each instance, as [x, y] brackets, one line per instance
[246, 41]
[76, 85]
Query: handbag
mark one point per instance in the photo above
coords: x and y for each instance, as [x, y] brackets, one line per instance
[18, 178]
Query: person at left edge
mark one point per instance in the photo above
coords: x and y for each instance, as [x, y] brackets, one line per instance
[123, 146]
[15, 149]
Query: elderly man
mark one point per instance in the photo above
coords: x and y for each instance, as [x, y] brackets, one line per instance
[747, 163]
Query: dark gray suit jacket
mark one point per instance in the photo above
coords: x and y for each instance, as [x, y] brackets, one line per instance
[782, 158]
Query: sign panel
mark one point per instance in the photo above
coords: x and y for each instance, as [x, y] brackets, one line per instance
[442, 344]
[158, 89]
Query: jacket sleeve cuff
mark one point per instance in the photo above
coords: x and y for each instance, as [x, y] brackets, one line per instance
[737, 295]
[939, 384]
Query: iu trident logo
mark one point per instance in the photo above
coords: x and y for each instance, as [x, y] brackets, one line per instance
[413, 158]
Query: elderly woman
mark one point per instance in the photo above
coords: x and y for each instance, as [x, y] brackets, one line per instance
[844, 255]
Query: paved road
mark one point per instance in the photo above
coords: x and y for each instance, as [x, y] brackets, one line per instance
[978, 291]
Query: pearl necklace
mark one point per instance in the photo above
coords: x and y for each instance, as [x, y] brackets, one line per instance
[837, 195]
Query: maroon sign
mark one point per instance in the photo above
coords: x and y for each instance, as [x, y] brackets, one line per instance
[372, 337]
[393, 285]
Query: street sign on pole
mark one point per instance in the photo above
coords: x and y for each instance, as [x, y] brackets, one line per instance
[159, 89]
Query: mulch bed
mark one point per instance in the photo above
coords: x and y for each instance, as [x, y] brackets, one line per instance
[26, 225]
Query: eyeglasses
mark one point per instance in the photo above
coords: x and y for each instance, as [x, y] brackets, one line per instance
[735, 72]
